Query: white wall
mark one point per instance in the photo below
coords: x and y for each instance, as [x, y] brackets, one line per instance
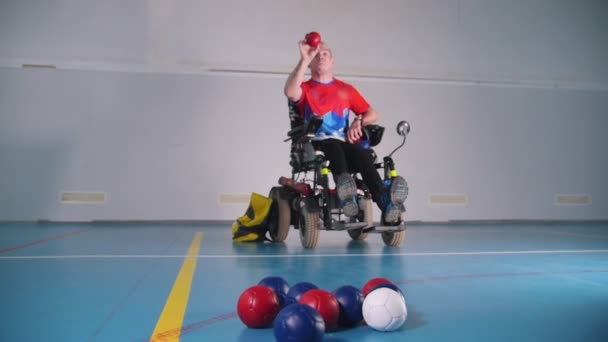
[507, 100]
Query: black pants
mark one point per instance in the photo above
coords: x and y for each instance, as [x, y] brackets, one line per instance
[345, 157]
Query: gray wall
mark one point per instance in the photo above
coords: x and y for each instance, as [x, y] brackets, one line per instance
[507, 100]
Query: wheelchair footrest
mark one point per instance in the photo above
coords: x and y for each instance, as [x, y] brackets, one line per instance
[382, 229]
[348, 226]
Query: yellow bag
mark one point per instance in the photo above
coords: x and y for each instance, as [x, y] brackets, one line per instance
[252, 226]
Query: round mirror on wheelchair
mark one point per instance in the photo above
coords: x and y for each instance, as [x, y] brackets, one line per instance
[403, 128]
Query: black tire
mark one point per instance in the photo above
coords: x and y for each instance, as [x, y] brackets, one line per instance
[366, 214]
[279, 234]
[309, 227]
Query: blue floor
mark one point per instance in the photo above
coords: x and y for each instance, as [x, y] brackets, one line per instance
[110, 282]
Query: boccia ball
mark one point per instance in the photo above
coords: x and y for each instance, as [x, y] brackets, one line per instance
[299, 323]
[258, 306]
[313, 39]
[367, 288]
[384, 310]
[278, 285]
[325, 303]
[390, 286]
[350, 299]
[297, 290]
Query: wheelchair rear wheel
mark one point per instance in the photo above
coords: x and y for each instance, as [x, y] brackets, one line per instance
[277, 194]
[308, 225]
[366, 214]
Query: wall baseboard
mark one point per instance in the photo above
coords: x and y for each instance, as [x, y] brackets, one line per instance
[229, 222]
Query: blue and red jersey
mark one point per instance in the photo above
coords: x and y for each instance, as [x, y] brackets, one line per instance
[332, 102]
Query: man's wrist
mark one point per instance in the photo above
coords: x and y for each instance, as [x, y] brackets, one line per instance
[303, 63]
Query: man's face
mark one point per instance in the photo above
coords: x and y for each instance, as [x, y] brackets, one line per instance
[323, 61]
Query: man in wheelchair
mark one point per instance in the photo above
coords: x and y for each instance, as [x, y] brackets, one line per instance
[328, 101]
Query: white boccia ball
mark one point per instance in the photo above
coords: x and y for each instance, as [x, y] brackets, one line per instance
[384, 309]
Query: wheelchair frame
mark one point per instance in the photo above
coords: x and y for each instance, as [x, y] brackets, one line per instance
[311, 206]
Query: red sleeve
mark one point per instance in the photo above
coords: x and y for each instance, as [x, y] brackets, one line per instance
[302, 101]
[357, 103]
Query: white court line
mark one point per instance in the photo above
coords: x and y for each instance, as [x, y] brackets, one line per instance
[249, 256]
[575, 234]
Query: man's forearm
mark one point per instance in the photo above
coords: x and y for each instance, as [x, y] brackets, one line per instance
[369, 118]
[296, 77]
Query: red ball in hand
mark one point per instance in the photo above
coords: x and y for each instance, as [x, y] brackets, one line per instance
[313, 39]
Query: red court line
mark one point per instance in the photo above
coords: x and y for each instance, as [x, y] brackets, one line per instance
[14, 248]
[180, 331]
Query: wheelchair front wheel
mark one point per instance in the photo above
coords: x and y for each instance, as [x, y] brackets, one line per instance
[393, 239]
[366, 214]
[308, 225]
[277, 194]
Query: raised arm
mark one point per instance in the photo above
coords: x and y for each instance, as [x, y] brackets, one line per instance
[292, 89]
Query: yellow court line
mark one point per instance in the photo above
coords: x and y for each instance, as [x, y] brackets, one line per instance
[169, 325]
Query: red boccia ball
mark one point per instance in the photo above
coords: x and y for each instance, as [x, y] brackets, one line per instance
[325, 303]
[369, 286]
[313, 39]
[258, 306]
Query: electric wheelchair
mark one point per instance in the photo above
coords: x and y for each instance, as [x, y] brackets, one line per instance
[306, 201]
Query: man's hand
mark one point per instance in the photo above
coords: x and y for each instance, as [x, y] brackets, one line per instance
[355, 132]
[307, 52]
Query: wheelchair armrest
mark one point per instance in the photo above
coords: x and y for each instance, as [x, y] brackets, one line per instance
[309, 127]
[373, 134]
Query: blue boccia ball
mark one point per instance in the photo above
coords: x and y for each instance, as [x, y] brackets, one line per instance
[299, 323]
[350, 299]
[297, 290]
[278, 285]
